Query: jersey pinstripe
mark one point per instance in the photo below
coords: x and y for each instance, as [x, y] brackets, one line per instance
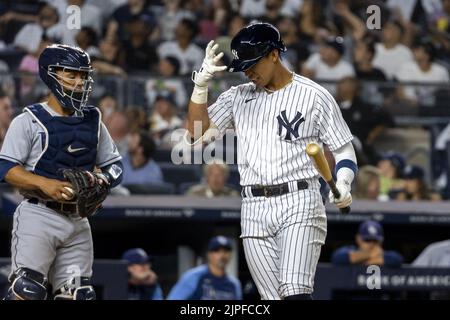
[265, 156]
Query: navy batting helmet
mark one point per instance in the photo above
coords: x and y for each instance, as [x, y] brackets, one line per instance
[65, 57]
[252, 43]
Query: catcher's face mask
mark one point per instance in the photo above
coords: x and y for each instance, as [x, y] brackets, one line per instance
[76, 85]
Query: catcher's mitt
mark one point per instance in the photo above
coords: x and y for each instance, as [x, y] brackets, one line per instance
[89, 193]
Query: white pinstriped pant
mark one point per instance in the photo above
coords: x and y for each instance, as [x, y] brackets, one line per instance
[282, 238]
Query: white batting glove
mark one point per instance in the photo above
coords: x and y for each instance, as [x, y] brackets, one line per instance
[209, 65]
[346, 197]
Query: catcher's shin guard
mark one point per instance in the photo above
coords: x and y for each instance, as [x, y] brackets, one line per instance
[71, 291]
[27, 284]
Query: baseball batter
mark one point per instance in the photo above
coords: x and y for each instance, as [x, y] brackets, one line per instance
[51, 242]
[275, 116]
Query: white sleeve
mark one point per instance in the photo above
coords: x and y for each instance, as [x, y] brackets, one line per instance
[221, 112]
[107, 151]
[18, 141]
[333, 130]
[346, 152]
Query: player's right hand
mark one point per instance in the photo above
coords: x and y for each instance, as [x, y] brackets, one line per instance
[55, 189]
[345, 199]
[209, 65]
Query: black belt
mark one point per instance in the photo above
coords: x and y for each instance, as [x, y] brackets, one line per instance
[60, 207]
[272, 191]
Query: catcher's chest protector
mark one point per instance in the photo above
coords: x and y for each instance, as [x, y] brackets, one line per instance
[69, 142]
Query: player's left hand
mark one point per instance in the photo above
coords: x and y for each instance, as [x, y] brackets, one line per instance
[345, 199]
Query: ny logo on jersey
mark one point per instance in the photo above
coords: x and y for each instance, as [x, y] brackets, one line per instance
[290, 126]
[235, 54]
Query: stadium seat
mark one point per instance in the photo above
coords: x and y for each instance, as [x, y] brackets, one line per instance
[234, 178]
[184, 187]
[178, 174]
[163, 188]
[162, 155]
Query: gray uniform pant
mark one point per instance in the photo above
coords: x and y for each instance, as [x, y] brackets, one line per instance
[55, 245]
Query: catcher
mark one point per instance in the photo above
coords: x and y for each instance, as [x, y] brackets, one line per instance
[50, 153]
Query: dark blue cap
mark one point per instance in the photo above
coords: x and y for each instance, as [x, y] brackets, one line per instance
[252, 43]
[136, 256]
[413, 172]
[337, 43]
[396, 159]
[371, 230]
[219, 242]
[166, 95]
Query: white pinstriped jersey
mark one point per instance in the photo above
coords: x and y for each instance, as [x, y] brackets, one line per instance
[273, 129]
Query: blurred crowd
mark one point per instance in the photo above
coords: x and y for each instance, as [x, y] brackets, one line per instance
[399, 68]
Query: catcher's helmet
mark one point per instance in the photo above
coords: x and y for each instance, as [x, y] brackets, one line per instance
[65, 57]
[252, 43]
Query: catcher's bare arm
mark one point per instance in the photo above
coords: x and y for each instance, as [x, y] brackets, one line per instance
[17, 176]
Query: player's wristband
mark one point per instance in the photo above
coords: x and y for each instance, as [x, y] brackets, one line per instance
[199, 95]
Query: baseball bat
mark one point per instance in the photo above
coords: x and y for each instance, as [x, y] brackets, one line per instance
[320, 162]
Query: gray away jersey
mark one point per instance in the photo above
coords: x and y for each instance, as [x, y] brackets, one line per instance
[23, 142]
[273, 129]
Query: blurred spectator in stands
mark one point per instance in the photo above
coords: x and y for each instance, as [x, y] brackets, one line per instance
[164, 118]
[209, 281]
[140, 55]
[439, 27]
[170, 17]
[29, 37]
[215, 176]
[134, 10]
[90, 16]
[183, 48]
[86, 39]
[434, 255]
[118, 128]
[352, 24]
[365, 121]
[363, 54]
[13, 15]
[422, 71]
[142, 280]
[235, 23]
[137, 119]
[6, 80]
[369, 249]
[214, 19]
[6, 114]
[138, 165]
[272, 12]
[297, 52]
[110, 59]
[328, 64]
[367, 186]
[313, 24]
[31, 88]
[442, 165]
[168, 68]
[391, 167]
[252, 8]
[108, 105]
[416, 188]
[390, 54]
